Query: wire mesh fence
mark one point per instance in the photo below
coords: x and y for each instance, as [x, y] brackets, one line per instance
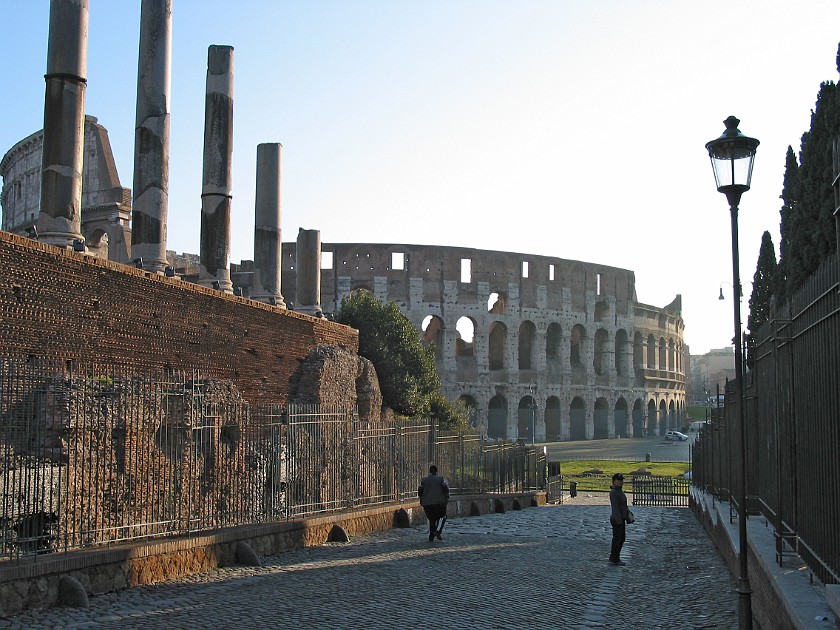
[93, 455]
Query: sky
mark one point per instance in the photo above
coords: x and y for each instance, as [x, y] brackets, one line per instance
[564, 128]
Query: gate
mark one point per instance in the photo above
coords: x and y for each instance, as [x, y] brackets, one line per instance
[668, 491]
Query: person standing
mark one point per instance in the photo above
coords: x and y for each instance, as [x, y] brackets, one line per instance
[618, 518]
[434, 495]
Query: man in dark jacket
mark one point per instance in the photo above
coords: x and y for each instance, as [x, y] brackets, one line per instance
[618, 518]
[434, 495]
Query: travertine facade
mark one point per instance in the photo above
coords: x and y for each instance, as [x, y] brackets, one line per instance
[106, 205]
[514, 331]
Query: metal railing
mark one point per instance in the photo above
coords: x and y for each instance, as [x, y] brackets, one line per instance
[93, 455]
[792, 401]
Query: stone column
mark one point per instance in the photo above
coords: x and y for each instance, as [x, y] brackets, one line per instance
[60, 217]
[308, 274]
[216, 186]
[151, 136]
[268, 241]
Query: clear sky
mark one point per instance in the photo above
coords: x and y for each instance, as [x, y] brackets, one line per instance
[564, 128]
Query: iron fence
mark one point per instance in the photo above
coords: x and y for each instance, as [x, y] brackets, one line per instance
[792, 406]
[93, 455]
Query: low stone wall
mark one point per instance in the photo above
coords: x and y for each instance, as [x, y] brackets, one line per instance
[782, 597]
[34, 582]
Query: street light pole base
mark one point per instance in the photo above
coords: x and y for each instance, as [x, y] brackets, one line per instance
[744, 604]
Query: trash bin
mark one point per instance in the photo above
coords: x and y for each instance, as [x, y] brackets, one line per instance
[573, 489]
[647, 457]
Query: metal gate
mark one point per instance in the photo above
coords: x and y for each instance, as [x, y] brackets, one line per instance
[668, 491]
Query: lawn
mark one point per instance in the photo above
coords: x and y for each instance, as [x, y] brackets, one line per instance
[583, 472]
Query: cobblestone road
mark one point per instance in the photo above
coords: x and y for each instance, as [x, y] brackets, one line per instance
[539, 567]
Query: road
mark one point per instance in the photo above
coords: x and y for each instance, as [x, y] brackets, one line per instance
[636, 449]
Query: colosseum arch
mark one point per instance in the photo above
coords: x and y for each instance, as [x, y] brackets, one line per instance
[553, 419]
[527, 345]
[498, 342]
[602, 311]
[651, 352]
[601, 415]
[577, 419]
[652, 422]
[663, 418]
[600, 359]
[433, 334]
[638, 351]
[97, 244]
[553, 353]
[672, 356]
[464, 347]
[638, 418]
[497, 417]
[527, 418]
[672, 415]
[620, 418]
[497, 303]
[663, 355]
[621, 368]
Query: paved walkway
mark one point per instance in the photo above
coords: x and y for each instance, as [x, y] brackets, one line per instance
[538, 567]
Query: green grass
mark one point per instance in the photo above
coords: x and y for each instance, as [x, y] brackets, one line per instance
[573, 471]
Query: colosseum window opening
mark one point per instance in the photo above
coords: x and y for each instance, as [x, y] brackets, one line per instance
[398, 261]
[600, 360]
[527, 338]
[524, 268]
[553, 337]
[551, 273]
[578, 334]
[498, 339]
[466, 333]
[466, 270]
[496, 303]
[327, 260]
[663, 357]
[597, 284]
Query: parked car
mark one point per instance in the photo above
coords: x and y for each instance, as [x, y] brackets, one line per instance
[676, 436]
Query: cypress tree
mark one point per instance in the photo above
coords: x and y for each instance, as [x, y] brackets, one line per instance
[763, 284]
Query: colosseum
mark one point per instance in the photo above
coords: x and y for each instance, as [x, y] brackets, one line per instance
[540, 348]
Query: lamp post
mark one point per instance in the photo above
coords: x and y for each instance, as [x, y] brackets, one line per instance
[733, 156]
[532, 390]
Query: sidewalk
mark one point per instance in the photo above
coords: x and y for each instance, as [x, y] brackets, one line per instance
[535, 567]
[799, 592]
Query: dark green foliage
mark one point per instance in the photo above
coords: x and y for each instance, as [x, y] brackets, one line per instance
[807, 223]
[449, 416]
[762, 291]
[406, 370]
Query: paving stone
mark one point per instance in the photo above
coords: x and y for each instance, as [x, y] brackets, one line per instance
[544, 566]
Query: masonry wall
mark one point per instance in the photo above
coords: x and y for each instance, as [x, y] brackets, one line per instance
[70, 306]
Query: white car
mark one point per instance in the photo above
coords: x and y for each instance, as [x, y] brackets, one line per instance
[676, 436]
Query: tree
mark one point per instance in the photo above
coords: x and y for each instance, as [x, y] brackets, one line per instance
[406, 370]
[807, 223]
[763, 283]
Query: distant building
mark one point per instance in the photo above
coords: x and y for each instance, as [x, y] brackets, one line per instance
[711, 370]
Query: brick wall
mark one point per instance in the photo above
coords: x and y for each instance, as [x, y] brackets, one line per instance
[65, 305]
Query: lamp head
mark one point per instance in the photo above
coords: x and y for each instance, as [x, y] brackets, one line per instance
[732, 156]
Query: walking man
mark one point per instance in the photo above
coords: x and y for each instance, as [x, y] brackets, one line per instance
[618, 518]
[434, 495]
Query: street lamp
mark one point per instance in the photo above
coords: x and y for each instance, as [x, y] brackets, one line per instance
[532, 390]
[733, 156]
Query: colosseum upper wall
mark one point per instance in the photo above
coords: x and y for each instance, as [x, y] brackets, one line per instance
[541, 348]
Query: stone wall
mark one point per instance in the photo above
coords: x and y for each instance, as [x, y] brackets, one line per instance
[64, 305]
